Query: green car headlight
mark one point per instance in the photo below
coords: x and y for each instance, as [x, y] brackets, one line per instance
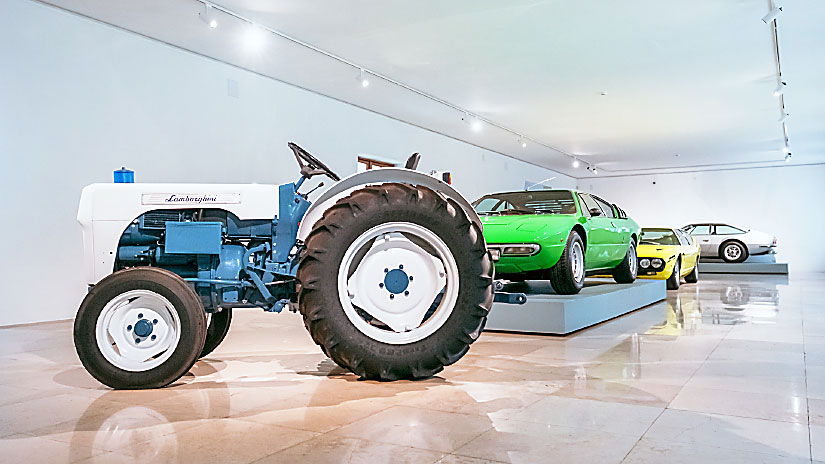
[656, 262]
[527, 249]
[644, 262]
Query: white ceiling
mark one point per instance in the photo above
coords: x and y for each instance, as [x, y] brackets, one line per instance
[688, 84]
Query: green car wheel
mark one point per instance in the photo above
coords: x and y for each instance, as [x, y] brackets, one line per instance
[567, 276]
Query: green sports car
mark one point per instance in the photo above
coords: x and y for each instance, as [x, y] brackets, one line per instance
[558, 235]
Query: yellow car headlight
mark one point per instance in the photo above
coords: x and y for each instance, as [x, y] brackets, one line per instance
[657, 262]
[644, 262]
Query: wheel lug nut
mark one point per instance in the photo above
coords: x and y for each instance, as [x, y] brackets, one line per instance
[411, 279]
[392, 297]
[154, 337]
[128, 327]
[406, 293]
[400, 266]
[386, 270]
[154, 321]
[137, 340]
[140, 315]
[380, 285]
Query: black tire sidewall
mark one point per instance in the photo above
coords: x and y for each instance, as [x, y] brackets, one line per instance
[216, 330]
[561, 274]
[622, 273]
[675, 279]
[349, 346]
[693, 277]
[743, 252]
[167, 284]
[574, 237]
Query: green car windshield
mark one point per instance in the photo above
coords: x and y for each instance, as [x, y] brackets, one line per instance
[530, 202]
[658, 237]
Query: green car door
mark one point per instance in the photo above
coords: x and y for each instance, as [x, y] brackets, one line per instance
[603, 238]
[619, 234]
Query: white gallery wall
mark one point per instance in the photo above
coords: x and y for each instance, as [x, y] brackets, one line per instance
[79, 99]
[784, 201]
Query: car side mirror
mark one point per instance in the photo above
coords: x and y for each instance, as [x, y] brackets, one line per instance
[595, 212]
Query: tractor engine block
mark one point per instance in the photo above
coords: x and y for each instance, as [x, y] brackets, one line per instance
[212, 249]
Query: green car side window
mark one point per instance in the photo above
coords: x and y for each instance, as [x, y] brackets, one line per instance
[607, 209]
[588, 203]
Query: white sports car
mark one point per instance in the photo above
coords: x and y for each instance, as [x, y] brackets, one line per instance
[730, 243]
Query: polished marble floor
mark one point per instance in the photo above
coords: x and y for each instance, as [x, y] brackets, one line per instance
[729, 370]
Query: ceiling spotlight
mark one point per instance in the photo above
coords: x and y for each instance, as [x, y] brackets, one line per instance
[208, 16]
[786, 149]
[575, 163]
[772, 14]
[788, 158]
[780, 89]
[362, 77]
[254, 37]
[522, 142]
[784, 117]
[595, 171]
[476, 124]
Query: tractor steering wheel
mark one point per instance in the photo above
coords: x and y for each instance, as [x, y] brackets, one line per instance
[313, 165]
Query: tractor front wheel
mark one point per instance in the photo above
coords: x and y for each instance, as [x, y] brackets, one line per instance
[395, 282]
[142, 327]
[217, 328]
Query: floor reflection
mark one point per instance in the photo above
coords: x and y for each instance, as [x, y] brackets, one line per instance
[720, 370]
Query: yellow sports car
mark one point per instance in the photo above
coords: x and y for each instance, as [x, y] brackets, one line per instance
[668, 254]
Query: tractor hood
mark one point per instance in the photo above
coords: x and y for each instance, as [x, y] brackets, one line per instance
[526, 227]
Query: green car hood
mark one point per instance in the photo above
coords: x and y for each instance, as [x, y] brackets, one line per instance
[526, 228]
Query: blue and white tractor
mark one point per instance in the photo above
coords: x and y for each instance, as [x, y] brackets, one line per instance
[388, 268]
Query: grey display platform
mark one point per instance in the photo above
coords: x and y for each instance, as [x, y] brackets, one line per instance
[763, 264]
[546, 312]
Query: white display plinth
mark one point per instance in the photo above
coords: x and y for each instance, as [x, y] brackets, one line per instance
[548, 313]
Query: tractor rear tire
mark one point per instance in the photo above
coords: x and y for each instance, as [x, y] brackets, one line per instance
[363, 349]
[142, 304]
[216, 330]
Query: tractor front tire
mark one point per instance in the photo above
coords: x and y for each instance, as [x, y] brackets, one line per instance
[402, 225]
[142, 327]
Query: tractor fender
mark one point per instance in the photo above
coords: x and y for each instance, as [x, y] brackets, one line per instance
[379, 176]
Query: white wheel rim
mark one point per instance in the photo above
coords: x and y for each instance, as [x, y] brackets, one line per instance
[577, 258]
[138, 330]
[631, 253]
[397, 282]
[732, 251]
